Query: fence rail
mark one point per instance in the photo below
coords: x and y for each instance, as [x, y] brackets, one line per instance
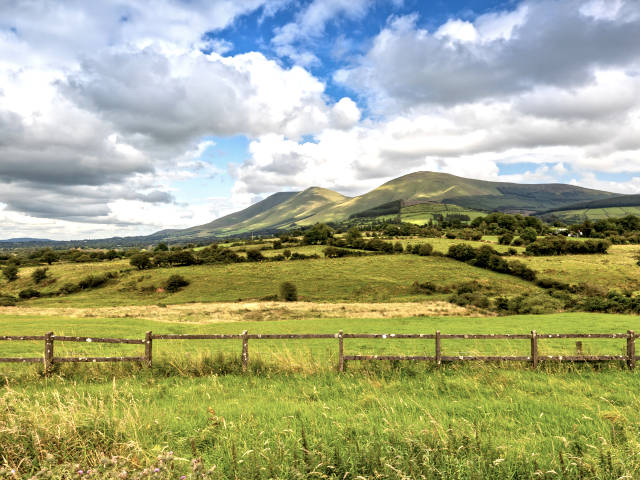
[49, 359]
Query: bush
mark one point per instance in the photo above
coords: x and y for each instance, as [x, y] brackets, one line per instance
[182, 258]
[476, 299]
[68, 288]
[462, 252]
[94, 281]
[505, 239]
[254, 255]
[39, 274]
[398, 248]
[29, 293]
[141, 261]
[286, 253]
[425, 249]
[175, 282]
[288, 292]
[10, 272]
[519, 269]
[335, 252]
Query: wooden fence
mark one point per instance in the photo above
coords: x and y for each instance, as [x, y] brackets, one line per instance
[49, 359]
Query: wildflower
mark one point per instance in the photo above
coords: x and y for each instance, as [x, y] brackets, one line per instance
[156, 470]
[80, 472]
[183, 477]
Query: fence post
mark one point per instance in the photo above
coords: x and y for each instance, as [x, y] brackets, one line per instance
[631, 349]
[534, 349]
[148, 349]
[245, 350]
[438, 349]
[340, 352]
[48, 352]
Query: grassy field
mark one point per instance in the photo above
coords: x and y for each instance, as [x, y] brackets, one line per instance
[376, 278]
[420, 214]
[293, 416]
[617, 269]
[596, 213]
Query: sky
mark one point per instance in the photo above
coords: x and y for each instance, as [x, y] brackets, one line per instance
[123, 118]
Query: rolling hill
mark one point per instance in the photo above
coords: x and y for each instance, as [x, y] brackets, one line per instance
[284, 210]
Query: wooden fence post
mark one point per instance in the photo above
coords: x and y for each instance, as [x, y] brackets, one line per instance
[438, 349]
[245, 350]
[340, 352]
[48, 352]
[148, 349]
[631, 349]
[534, 349]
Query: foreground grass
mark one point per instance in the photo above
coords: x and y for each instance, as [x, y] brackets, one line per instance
[293, 416]
[393, 422]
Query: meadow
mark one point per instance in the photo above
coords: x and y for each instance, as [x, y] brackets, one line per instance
[293, 416]
[196, 413]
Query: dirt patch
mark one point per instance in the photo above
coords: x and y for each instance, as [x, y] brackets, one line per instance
[254, 311]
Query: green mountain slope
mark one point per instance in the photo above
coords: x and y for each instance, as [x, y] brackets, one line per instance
[465, 192]
[286, 209]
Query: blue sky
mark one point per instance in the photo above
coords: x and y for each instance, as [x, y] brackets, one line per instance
[123, 119]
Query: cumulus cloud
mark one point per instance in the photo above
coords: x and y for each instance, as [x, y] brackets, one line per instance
[541, 43]
[289, 40]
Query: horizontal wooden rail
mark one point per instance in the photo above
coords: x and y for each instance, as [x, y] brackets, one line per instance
[197, 337]
[98, 340]
[21, 360]
[484, 358]
[23, 337]
[98, 359]
[49, 359]
[390, 357]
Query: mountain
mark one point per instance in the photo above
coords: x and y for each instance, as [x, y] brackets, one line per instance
[279, 211]
[284, 210]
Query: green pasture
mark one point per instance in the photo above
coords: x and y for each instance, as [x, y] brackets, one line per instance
[293, 416]
[372, 278]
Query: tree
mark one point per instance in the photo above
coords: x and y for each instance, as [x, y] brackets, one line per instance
[141, 261]
[10, 272]
[49, 257]
[529, 235]
[161, 247]
[318, 234]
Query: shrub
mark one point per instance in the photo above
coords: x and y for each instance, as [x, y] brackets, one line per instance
[288, 292]
[277, 244]
[505, 239]
[254, 255]
[426, 287]
[182, 258]
[68, 288]
[175, 282]
[425, 249]
[475, 299]
[94, 281]
[39, 274]
[286, 253]
[335, 252]
[529, 235]
[462, 252]
[519, 269]
[141, 261]
[10, 272]
[398, 248]
[29, 293]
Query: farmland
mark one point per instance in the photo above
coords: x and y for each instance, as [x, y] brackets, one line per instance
[286, 418]
[292, 414]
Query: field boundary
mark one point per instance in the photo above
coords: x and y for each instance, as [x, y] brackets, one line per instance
[49, 338]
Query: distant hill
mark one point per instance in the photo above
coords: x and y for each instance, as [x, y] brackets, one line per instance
[288, 209]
